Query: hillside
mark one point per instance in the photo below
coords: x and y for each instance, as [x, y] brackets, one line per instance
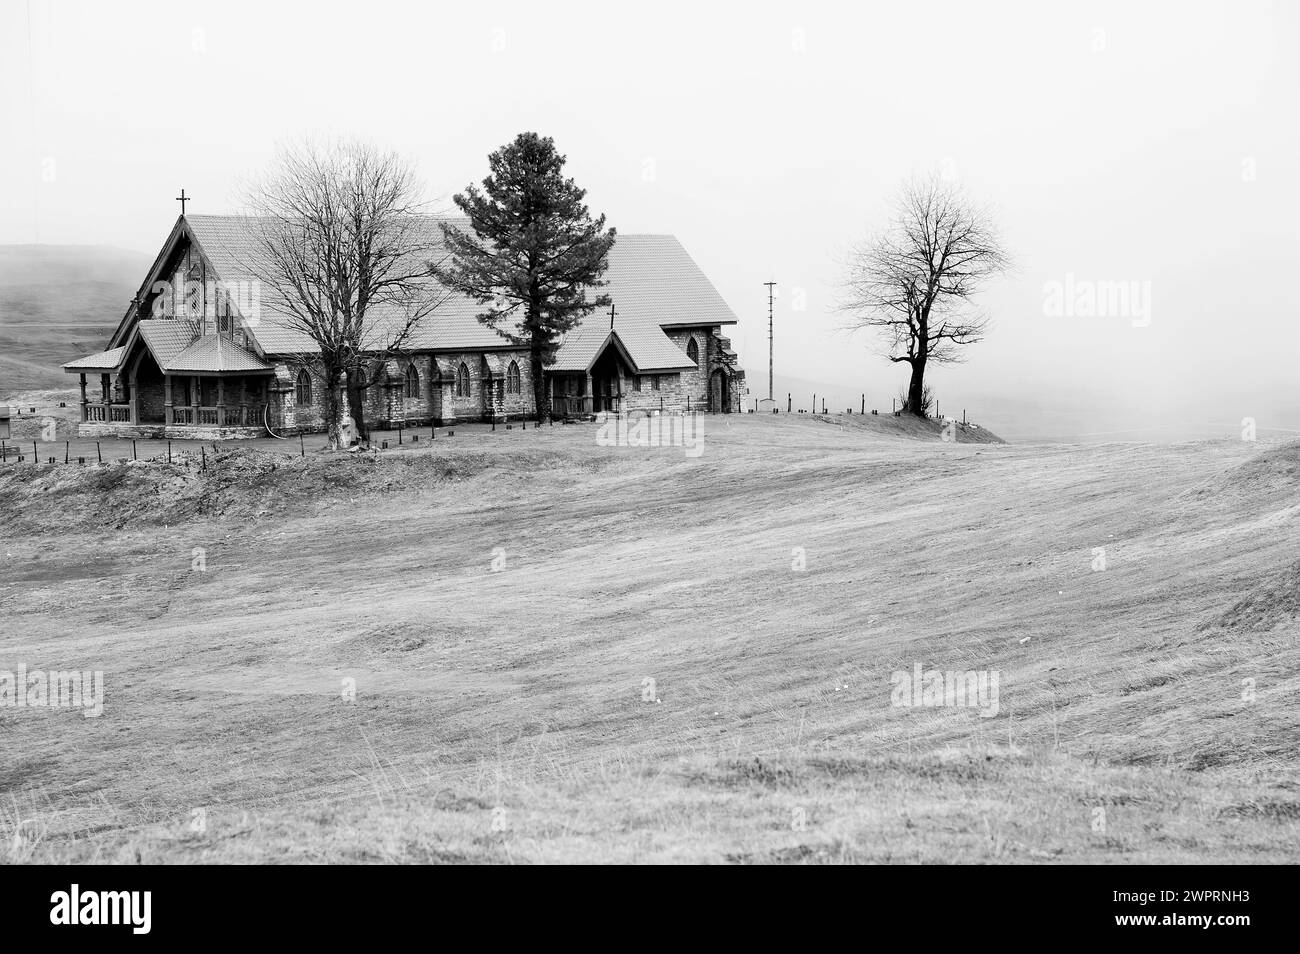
[640, 672]
[58, 302]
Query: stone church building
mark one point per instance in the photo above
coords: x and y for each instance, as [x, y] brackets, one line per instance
[199, 354]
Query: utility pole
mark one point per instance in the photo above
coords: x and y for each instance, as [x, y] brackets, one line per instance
[770, 294]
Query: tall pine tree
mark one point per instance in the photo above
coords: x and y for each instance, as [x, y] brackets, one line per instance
[534, 252]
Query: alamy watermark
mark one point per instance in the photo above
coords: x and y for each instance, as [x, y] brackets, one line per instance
[1082, 298]
[189, 299]
[55, 689]
[934, 688]
[664, 430]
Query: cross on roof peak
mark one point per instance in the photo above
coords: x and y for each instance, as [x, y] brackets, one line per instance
[182, 199]
[612, 313]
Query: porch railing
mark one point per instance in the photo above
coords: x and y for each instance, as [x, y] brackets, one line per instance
[570, 405]
[237, 415]
[230, 415]
[105, 412]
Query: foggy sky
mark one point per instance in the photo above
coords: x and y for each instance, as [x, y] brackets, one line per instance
[1150, 143]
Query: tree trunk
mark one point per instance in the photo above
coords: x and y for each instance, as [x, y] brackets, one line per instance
[539, 383]
[356, 408]
[916, 390]
[332, 407]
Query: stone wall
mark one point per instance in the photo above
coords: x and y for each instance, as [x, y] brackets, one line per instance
[473, 407]
[694, 384]
[102, 430]
[151, 400]
[436, 401]
[670, 396]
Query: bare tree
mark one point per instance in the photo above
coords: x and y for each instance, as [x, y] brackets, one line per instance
[914, 282]
[346, 254]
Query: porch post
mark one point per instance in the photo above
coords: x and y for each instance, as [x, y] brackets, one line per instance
[243, 400]
[83, 394]
[221, 401]
[133, 397]
[195, 398]
[105, 389]
[167, 399]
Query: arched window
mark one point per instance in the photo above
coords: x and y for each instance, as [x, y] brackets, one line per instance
[302, 388]
[462, 381]
[693, 351]
[512, 379]
[412, 382]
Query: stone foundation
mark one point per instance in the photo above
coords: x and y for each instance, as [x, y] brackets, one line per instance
[177, 432]
[102, 430]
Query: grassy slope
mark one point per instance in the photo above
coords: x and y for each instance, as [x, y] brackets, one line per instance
[522, 689]
[59, 302]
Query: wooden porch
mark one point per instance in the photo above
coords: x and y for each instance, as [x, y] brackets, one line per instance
[570, 405]
[204, 401]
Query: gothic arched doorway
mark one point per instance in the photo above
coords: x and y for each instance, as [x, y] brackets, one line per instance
[719, 392]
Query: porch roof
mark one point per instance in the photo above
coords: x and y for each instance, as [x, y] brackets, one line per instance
[213, 353]
[110, 360]
[167, 338]
[178, 348]
[646, 349]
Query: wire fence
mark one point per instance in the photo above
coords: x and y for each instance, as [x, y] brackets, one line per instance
[84, 452]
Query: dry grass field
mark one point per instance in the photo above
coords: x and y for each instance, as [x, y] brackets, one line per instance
[502, 601]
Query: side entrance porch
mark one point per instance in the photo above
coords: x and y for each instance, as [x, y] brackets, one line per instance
[169, 382]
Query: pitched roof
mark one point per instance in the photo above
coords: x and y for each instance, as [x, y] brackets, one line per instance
[651, 279]
[167, 337]
[645, 346]
[177, 347]
[109, 360]
[213, 353]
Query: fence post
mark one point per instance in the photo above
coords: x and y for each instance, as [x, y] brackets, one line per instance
[169, 452]
[134, 453]
[66, 444]
[203, 452]
[36, 457]
[302, 448]
[864, 404]
[98, 456]
[399, 433]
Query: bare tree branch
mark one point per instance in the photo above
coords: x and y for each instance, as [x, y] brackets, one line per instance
[346, 252]
[913, 283]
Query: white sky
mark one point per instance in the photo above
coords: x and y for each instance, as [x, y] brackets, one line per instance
[1153, 142]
